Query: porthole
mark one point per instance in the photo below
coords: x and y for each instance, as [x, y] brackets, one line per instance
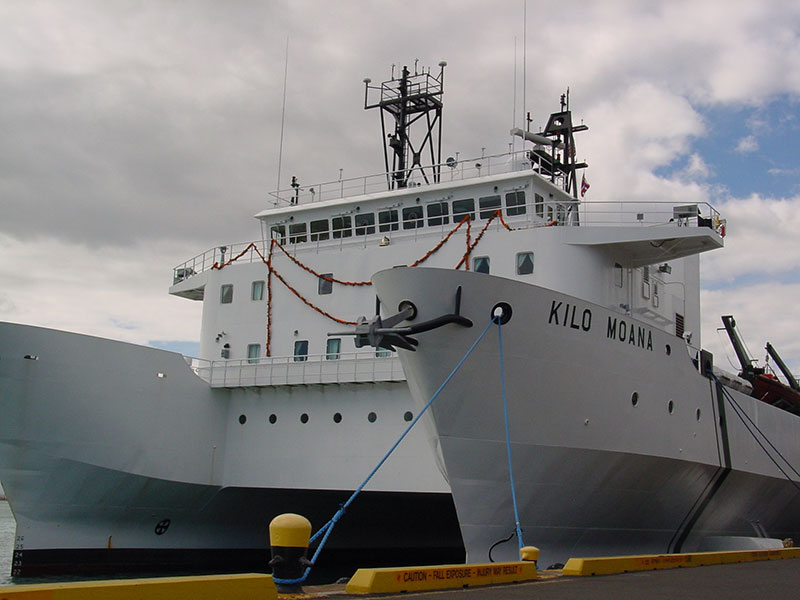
[372, 417]
[669, 350]
[635, 398]
[304, 418]
[670, 406]
[698, 414]
[273, 418]
[408, 415]
[337, 418]
[242, 419]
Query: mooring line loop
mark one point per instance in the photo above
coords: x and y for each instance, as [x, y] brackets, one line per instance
[517, 526]
[328, 527]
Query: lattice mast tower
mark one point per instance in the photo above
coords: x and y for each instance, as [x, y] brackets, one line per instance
[412, 101]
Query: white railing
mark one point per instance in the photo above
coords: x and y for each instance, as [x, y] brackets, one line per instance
[355, 367]
[493, 164]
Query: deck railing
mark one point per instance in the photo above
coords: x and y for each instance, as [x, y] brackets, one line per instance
[354, 367]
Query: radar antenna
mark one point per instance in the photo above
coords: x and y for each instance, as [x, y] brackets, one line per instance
[409, 100]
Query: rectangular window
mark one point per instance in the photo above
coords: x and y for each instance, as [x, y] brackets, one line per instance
[480, 264]
[342, 227]
[253, 353]
[333, 348]
[646, 282]
[226, 293]
[365, 224]
[515, 203]
[438, 214]
[412, 217]
[524, 263]
[488, 205]
[619, 275]
[539, 205]
[278, 232]
[297, 233]
[319, 230]
[463, 207]
[387, 221]
[325, 286]
[257, 290]
[300, 350]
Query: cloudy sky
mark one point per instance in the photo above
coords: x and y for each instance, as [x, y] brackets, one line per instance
[134, 135]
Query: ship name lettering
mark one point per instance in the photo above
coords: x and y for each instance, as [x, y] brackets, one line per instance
[569, 316]
[631, 333]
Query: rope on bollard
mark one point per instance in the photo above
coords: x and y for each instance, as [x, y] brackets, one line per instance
[328, 527]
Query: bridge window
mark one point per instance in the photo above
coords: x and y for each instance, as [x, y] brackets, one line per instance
[342, 227]
[480, 264]
[300, 350]
[412, 217]
[319, 230]
[387, 221]
[619, 275]
[257, 290]
[253, 353]
[524, 263]
[488, 206]
[463, 207]
[297, 233]
[365, 224]
[226, 293]
[438, 214]
[278, 232]
[515, 203]
[333, 348]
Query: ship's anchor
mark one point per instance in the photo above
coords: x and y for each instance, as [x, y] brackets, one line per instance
[382, 333]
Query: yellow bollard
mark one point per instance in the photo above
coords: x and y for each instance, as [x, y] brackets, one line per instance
[288, 539]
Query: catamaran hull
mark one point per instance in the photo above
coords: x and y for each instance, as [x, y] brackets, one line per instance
[619, 444]
[116, 457]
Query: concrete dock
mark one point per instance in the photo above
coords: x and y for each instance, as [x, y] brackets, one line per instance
[729, 575]
[745, 581]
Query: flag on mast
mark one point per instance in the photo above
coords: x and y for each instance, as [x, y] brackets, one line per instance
[584, 186]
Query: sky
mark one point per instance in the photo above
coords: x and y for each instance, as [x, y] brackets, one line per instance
[136, 135]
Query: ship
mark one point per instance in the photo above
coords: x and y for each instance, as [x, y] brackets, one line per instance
[573, 404]
[119, 458]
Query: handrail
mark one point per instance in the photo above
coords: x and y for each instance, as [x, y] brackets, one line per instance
[351, 367]
[549, 212]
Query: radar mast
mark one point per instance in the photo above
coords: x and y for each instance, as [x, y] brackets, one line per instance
[410, 100]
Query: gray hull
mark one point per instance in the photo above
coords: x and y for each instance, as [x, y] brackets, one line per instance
[119, 457]
[619, 444]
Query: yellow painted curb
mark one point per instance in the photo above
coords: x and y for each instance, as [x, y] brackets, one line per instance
[249, 586]
[610, 565]
[408, 579]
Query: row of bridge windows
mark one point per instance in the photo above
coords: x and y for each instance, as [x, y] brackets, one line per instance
[434, 214]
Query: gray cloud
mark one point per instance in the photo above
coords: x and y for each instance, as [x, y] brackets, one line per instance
[145, 132]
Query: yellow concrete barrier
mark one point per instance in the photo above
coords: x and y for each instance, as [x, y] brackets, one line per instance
[408, 579]
[610, 565]
[249, 586]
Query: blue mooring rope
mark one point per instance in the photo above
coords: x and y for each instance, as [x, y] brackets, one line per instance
[518, 529]
[328, 527]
